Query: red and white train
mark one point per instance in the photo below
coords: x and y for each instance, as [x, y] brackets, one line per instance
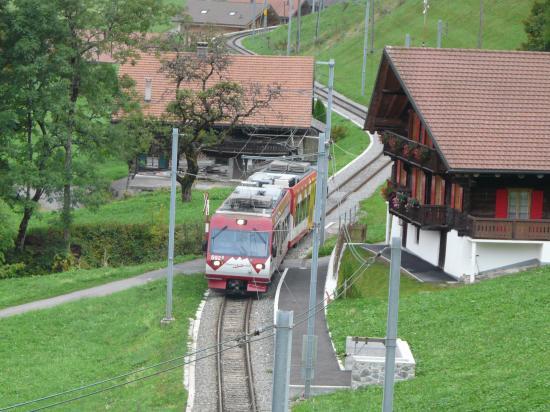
[251, 232]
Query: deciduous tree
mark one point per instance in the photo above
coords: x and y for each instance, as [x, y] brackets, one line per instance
[209, 106]
[537, 27]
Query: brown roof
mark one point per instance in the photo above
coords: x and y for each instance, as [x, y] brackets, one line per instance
[280, 6]
[486, 110]
[294, 74]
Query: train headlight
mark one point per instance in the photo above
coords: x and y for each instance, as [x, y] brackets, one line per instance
[259, 266]
[216, 263]
[241, 222]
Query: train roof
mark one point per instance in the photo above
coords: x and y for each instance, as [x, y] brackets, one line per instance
[262, 191]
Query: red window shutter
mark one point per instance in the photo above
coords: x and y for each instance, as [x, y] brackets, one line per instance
[423, 200]
[536, 204]
[453, 188]
[501, 207]
[433, 201]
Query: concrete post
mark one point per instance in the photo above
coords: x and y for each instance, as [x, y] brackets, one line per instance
[289, 34]
[407, 40]
[170, 272]
[281, 364]
[391, 331]
[365, 46]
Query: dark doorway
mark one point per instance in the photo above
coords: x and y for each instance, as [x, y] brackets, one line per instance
[442, 249]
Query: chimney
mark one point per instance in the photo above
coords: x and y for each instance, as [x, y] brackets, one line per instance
[148, 89]
[202, 49]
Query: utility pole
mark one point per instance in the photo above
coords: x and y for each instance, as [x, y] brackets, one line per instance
[480, 32]
[318, 234]
[265, 14]
[281, 363]
[372, 28]
[439, 32]
[170, 272]
[391, 330]
[254, 14]
[318, 21]
[328, 129]
[299, 27]
[365, 46]
[289, 35]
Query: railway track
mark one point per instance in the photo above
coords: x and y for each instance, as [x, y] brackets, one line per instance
[340, 193]
[234, 367]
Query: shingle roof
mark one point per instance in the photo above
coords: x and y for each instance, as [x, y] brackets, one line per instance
[294, 74]
[487, 110]
[219, 12]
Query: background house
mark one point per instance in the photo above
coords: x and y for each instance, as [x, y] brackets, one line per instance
[223, 16]
[469, 133]
[283, 128]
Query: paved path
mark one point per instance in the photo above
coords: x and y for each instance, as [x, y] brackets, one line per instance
[416, 267]
[187, 268]
[293, 296]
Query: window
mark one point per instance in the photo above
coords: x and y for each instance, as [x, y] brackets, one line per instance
[204, 11]
[239, 243]
[519, 204]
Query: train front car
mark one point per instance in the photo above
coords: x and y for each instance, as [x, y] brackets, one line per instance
[250, 233]
[239, 258]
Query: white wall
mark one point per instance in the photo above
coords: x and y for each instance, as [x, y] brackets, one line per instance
[458, 255]
[545, 253]
[496, 255]
[428, 244]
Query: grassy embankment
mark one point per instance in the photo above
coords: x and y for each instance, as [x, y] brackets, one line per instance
[17, 291]
[53, 350]
[477, 347]
[141, 208]
[342, 27]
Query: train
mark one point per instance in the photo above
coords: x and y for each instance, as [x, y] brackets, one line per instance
[249, 235]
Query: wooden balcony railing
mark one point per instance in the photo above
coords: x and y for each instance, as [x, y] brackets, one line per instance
[511, 229]
[431, 217]
[427, 216]
[412, 151]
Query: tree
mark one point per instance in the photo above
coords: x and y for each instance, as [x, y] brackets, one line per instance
[537, 27]
[93, 27]
[319, 111]
[208, 113]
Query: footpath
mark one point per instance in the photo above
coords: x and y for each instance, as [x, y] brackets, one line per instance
[186, 268]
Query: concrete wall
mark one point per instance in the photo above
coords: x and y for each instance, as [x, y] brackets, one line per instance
[492, 256]
[458, 256]
[428, 244]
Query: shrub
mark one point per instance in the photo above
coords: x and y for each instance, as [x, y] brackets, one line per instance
[12, 271]
[319, 111]
[7, 230]
[338, 132]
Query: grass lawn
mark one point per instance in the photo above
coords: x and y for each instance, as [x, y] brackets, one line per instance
[342, 30]
[478, 348]
[373, 214]
[349, 147]
[17, 291]
[142, 208]
[52, 350]
[112, 169]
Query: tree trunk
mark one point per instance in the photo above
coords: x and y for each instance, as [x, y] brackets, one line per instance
[188, 179]
[68, 166]
[27, 214]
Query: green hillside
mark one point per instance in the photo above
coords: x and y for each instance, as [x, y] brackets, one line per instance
[342, 27]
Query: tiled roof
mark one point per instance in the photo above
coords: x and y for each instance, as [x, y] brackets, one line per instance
[280, 6]
[487, 110]
[222, 12]
[293, 74]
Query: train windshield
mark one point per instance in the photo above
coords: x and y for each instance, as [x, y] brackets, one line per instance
[225, 241]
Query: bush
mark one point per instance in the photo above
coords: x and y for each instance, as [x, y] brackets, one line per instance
[12, 271]
[338, 132]
[319, 111]
[101, 245]
[7, 230]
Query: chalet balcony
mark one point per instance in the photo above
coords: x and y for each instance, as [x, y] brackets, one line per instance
[427, 216]
[411, 151]
[508, 229]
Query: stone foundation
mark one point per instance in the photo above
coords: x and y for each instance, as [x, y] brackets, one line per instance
[365, 357]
